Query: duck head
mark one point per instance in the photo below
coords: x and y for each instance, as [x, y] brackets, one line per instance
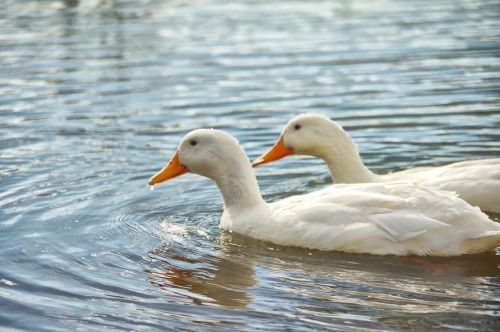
[207, 152]
[306, 134]
[218, 156]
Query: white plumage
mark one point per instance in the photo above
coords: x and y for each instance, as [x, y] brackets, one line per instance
[376, 218]
[476, 181]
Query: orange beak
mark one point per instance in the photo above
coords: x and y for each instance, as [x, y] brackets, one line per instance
[173, 169]
[278, 151]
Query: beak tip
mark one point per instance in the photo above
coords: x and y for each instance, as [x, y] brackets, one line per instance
[173, 169]
[257, 162]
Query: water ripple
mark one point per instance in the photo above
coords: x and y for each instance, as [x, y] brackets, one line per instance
[95, 95]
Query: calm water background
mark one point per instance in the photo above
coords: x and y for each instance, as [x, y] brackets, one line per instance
[95, 95]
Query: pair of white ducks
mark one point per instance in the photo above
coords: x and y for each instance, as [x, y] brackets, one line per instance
[412, 212]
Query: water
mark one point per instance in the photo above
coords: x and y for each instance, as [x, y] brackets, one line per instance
[95, 95]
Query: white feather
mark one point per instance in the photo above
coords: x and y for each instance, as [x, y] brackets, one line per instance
[476, 181]
[376, 218]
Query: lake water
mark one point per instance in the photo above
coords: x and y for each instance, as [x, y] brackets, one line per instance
[95, 95]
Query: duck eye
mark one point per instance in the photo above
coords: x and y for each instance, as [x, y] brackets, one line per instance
[297, 126]
[193, 142]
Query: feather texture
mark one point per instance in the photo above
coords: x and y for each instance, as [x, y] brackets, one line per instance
[376, 218]
[476, 181]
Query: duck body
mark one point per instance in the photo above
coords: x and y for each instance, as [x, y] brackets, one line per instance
[476, 181]
[375, 218]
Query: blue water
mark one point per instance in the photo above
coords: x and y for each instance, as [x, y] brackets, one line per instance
[95, 95]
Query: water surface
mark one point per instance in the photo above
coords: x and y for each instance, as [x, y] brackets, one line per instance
[95, 95]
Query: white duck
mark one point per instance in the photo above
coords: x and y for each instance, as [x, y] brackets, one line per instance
[389, 218]
[475, 181]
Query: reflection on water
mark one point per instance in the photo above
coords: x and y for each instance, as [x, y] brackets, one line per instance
[335, 286]
[221, 280]
[95, 95]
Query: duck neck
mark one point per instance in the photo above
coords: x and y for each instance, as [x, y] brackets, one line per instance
[344, 161]
[239, 188]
